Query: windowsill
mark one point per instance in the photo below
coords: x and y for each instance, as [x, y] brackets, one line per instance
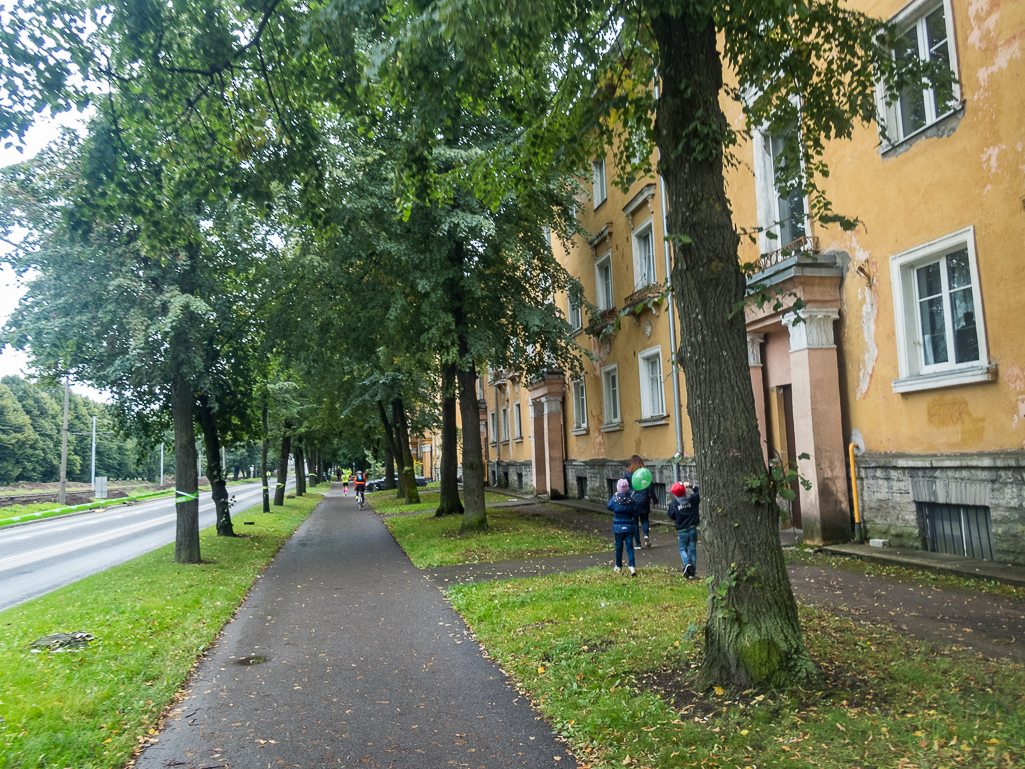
[579, 430]
[657, 419]
[518, 440]
[612, 427]
[578, 330]
[887, 149]
[600, 203]
[973, 375]
[492, 443]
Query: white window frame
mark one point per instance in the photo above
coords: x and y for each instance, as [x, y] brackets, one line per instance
[610, 396]
[914, 375]
[578, 388]
[505, 424]
[517, 422]
[576, 315]
[644, 275]
[649, 408]
[492, 427]
[891, 127]
[767, 196]
[605, 291]
[599, 188]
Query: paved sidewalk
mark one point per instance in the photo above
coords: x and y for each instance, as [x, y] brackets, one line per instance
[367, 665]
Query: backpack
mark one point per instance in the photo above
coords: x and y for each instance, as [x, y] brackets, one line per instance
[359, 477]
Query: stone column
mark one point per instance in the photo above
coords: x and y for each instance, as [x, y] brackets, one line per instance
[815, 387]
[754, 361]
[553, 444]
[538, 448]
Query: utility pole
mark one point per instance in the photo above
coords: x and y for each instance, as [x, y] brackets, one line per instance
[161, 463]
[62, 494]
[92, 468]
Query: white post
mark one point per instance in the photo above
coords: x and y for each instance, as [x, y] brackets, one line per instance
[92, 469]
[161, 463]
[62, 494]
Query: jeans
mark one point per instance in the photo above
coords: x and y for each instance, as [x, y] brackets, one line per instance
[625, 539]
[688, 545]
[637, 531]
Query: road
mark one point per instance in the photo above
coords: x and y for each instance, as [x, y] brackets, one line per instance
[40, 557]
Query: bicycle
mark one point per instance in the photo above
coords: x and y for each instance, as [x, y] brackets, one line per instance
[361, 498]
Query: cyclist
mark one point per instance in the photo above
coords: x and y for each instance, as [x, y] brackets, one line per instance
[359, 485]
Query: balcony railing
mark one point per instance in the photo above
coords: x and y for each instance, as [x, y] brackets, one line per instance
[636, 302]
[806, 245]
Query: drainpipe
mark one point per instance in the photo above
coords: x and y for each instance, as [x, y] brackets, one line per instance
[854, 489]
[498, 435]
[672, 320]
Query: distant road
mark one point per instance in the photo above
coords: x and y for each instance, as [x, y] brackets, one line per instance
[38, 558]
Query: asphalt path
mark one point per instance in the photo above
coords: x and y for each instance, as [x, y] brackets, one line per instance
[363, 663]
[48, 554]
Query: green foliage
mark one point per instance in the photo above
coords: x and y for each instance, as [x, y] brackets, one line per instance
[19, 444]
[776, 483]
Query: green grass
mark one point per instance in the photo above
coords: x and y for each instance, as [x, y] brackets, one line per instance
[431, 541]
[612, 661]
[152, 618]
[386, 503]
[904, 574]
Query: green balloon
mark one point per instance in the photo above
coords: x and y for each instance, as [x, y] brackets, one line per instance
[641, 479]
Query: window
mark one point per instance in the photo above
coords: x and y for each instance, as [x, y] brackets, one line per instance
[603, 282]
[505, 424]
[938, 311]
[781, 212]
[928, 32]
[517, 422]
[644, 256]
[598, 169]
[579, 404]
[652, 392]
[492, 426]
[610, 394]
[576, 319]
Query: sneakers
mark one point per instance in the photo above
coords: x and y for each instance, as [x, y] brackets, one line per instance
[617, 570]
[633, 572]
[647, 543]
[637, 547]
[688, 570]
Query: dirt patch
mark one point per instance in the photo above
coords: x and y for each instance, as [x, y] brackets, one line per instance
[567, 518]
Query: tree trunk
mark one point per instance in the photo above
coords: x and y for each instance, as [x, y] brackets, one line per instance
[390, 443]
[449, 504]
[397, 452]
[214, 471]
[474, 515]
[263, 463]
[286, 445]
[299, 453]
[389, 466]
[186, 482]
[409, 469]
[752, 634]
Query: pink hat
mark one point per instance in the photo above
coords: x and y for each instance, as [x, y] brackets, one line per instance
[623, 486]
[678, 490]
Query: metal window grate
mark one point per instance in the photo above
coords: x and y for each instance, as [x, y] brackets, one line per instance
[660, 492]
[959, 530]
[611, 484]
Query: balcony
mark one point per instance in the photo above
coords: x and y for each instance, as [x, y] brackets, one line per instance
[806, 245]
[650, 297]
[604, 323]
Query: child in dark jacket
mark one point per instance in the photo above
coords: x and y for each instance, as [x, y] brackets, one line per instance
[624, 524]
[643, 498]
[683, 512]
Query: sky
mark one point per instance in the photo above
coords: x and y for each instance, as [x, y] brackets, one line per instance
[13, 362]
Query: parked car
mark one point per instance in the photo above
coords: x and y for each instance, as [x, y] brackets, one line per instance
[377, 484]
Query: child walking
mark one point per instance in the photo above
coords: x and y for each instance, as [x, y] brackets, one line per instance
[683, 512]
[624, 524]
[643, 499]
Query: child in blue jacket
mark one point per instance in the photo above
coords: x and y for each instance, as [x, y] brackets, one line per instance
[624, 524]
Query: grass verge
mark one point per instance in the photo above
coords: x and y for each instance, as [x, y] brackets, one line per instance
[89, 708]
[904, 574]
[431, 541]
[612, 661]
[386, 503]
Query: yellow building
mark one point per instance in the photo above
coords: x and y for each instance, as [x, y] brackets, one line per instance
[912, 345]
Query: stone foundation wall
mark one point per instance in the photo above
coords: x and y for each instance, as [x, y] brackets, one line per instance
[509, 475]
[598, 472]
[893, 490]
